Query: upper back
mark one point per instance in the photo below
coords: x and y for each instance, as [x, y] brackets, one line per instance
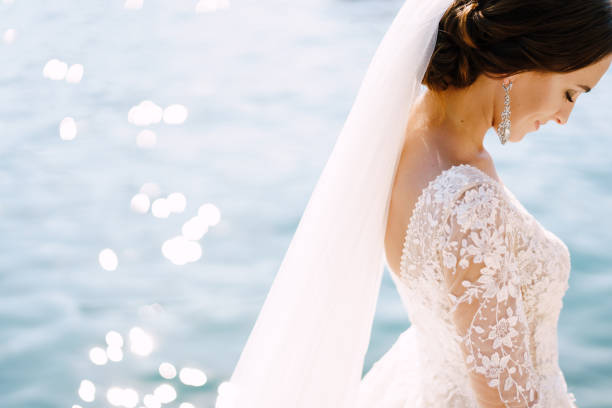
[418, 168]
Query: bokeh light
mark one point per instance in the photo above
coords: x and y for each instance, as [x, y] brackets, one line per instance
[122, 397]
[87, 391]
[74, 74]
[176, 202]
[167, 371]
[55, 69]
[145, 113]
[210, 213]
[160, 208]
[98, 356]
[114, 339]
[175, 114]
[68, 128]
[114, 353]
[192, 376]
[181, 251]
[146, 139]
[151, 401]
[108, 259]
[227, 394]
[140, 203]
[194, 228]
[141, 343]
[165, 393]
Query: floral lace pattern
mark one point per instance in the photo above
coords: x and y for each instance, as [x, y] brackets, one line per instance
[487, 309]
[477, 268]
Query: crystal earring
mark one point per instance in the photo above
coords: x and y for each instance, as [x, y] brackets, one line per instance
[503, 130]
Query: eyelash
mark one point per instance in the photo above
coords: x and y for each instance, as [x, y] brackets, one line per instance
[569, 98]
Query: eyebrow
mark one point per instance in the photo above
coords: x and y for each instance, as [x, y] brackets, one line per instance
[586, 88]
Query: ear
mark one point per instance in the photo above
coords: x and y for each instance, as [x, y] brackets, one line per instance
[508, 79]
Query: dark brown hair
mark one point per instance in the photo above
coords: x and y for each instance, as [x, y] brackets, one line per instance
[505, 37]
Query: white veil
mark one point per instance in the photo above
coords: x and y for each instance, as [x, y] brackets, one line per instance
[308, 345]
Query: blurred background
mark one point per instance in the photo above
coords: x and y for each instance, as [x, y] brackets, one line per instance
[155, 160]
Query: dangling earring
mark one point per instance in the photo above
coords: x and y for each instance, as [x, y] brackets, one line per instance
[503, 130]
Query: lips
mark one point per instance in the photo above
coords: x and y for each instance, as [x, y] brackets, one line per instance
[537, 124]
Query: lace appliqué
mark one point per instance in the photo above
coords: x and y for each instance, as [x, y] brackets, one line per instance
[482, 276]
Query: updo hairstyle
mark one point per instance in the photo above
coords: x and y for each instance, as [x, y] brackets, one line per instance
[500, 38]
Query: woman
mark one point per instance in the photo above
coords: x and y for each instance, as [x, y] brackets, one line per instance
[481, 279]
[472, 261]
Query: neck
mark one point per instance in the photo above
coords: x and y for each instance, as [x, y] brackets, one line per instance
[458, 119]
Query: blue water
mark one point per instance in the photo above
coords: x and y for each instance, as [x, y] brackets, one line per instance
[268, 85]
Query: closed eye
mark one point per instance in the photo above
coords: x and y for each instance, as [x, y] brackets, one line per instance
[569, 98]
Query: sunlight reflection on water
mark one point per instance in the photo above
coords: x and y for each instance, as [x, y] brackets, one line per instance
[171, 114]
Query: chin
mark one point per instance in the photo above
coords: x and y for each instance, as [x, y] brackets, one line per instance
[514, 138]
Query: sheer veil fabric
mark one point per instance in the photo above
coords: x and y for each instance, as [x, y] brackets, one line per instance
[308, 344]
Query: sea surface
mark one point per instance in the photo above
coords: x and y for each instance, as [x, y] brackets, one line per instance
[94, 297]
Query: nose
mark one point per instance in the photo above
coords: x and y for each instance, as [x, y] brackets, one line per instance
[563, 115]
[562, 119]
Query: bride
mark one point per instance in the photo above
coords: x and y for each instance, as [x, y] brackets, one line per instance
[409, 185]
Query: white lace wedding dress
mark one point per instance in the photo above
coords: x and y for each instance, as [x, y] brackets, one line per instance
[482, 282]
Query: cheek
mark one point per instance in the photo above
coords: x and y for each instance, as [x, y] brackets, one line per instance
[536, 103]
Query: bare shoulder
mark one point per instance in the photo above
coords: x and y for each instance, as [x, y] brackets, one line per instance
[487, 166]
[418, 169]
[419, 164]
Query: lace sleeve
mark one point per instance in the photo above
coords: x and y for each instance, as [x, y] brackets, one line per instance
[483, 286]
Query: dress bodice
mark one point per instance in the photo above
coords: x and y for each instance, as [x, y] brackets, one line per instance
[478, 269]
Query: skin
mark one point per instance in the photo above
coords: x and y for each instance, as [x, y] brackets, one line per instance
[449, 128]
[472, 111]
